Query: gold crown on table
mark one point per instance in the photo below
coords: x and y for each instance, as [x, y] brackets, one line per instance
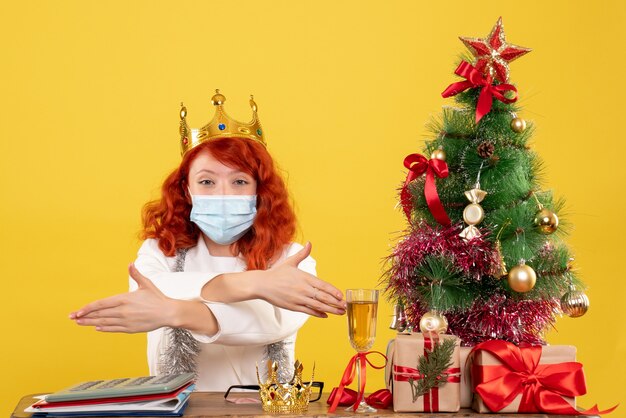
[221, 126]
[284, 397]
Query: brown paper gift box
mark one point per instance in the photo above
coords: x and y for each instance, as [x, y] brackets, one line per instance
[549, 355]
[466, 379]
[407, 349]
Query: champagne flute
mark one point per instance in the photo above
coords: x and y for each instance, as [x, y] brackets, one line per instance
[362, 307]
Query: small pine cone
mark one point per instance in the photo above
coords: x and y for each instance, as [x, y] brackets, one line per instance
[485, 149]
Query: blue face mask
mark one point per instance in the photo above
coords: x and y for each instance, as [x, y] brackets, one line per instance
[224, 219]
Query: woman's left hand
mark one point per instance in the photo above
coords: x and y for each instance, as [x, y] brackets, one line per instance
[145, 309]
[286, 286]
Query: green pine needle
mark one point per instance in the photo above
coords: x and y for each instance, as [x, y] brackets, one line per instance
[432, 367]
[442, 286]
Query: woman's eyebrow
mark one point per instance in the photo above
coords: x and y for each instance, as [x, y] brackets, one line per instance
[204, 170]
[229, 173]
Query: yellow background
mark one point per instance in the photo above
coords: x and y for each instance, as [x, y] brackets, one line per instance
[89, 118]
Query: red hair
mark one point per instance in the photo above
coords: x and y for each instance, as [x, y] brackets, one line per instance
[167, 219]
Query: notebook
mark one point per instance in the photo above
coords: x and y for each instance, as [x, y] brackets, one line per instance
[167, 405]
[122, 387]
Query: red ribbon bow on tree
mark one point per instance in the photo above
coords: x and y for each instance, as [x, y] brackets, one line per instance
[473, 78]
[542, 385]
[417, 165]
[348, 377]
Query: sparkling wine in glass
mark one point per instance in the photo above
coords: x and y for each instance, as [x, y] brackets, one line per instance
[362, 308]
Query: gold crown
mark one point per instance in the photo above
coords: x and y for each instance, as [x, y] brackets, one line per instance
[221, 126]
[284, 397]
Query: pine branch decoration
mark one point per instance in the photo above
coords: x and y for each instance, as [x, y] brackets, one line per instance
[432, 367]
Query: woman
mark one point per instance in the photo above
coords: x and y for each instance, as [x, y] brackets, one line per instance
[218, 284]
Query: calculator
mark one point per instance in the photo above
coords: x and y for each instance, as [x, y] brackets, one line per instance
[115, 388]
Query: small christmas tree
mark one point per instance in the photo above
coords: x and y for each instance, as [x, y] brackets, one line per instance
[483, 255]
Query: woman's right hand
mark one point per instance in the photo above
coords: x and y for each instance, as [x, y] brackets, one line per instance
[145, 309]
[286, 286]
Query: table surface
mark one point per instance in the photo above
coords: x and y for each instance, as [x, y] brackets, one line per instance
[212, 404]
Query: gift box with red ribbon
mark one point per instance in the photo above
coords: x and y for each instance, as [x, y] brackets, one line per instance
[546, 379]
[403, 375]
[503, 374]
[466, 378]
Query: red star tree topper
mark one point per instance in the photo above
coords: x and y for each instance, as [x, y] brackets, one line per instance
[493, 54]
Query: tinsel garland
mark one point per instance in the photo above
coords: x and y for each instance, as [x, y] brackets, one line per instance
[181, 349]
[475, 259]
[496, 315]
[501, 317]
[180, 354]
[278, 352]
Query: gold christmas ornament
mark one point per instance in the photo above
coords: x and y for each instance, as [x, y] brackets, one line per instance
[221, 126]
[546, 221]
[438, 154]
[433, 323]
[279, 396]
[574, 303]
[518, 125]
[501, 269]
[473, 214]
[522, 278]
[469, 233]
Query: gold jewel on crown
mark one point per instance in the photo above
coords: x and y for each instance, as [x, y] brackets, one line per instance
[221, 126]
[284, 397]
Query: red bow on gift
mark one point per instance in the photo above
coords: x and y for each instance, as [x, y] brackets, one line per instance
[542, 385]
[382, 398]
[473, 78]
[348, 377]
[417, 165]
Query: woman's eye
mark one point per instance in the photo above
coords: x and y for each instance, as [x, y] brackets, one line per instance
[206, 182]
[240, 182]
